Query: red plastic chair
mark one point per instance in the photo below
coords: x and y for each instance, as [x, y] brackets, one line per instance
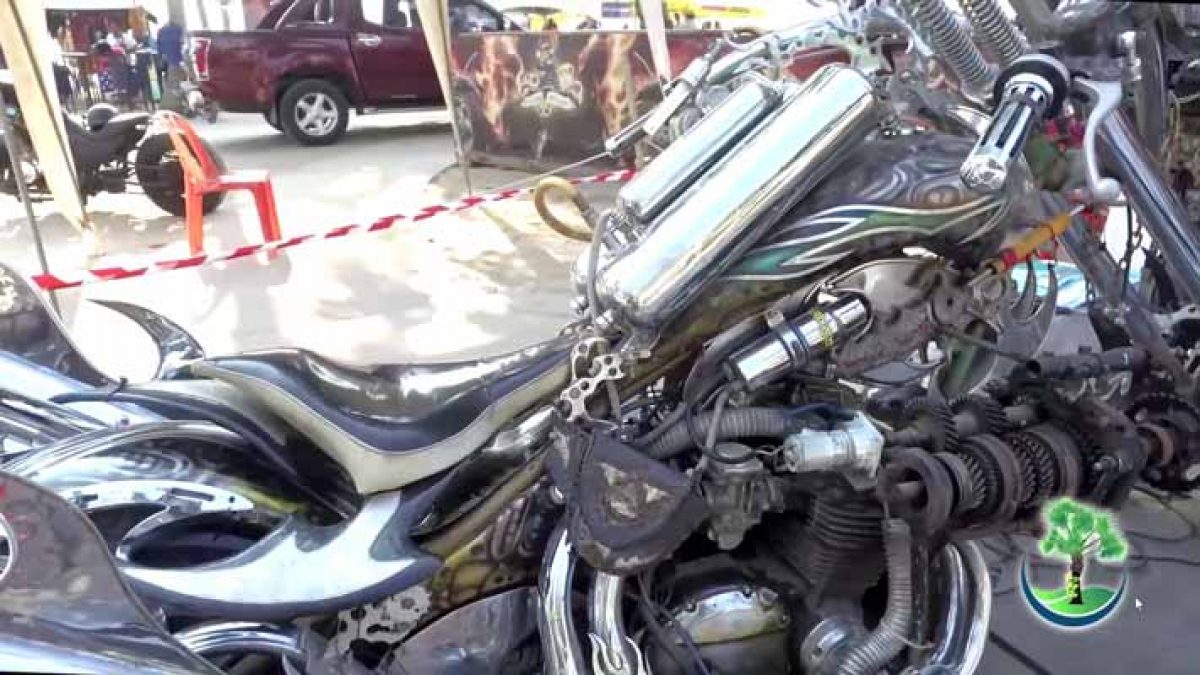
[202, 176]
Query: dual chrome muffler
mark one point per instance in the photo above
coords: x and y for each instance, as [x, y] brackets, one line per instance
[713, 193]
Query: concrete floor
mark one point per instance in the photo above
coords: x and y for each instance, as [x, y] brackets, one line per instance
[465, 285]
[1157, 638]
[449, 286]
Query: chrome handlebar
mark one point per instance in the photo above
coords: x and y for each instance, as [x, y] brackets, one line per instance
[1030, 90]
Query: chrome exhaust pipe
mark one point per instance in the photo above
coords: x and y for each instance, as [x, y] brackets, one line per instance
[966, 613]
[656, 186]
[962, 628]
[561, 652]
[726, 210]
[613, 651]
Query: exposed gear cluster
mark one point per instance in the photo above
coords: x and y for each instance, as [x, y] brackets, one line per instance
[989, 480]
[977, 464]
[1170, 426]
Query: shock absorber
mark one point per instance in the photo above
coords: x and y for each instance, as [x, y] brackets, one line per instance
[994, 30]
[941, 30]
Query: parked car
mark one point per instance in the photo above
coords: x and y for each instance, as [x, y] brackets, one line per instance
[309, 62]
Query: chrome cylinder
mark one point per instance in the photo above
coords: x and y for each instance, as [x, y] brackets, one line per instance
[795, 343]
[1034, 87]
[683, 161]
[1161, 213]
[854, 445]
[706, 229]
[955, 605]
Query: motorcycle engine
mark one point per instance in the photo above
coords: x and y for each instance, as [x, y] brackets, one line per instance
[745, 436]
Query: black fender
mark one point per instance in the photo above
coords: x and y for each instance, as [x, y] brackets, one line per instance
[30, 329]
[175, 345]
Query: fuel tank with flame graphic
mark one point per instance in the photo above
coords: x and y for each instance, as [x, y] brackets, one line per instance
[888, 193]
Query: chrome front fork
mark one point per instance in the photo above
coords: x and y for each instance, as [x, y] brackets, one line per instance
[1156, 205]
[961, 634]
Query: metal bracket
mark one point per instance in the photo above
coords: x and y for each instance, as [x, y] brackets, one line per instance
[602, 367]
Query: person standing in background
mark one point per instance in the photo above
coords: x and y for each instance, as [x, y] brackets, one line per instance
[145, 58]
[58, 64]
[170, 50]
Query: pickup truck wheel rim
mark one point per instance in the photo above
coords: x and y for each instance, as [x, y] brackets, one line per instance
[316, 114]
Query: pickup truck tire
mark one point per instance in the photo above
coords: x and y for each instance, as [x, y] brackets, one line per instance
[161, 175]
[314, 112]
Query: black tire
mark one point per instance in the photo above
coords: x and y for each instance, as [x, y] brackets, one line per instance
[334, 112]
[161, 176]
[272, 118]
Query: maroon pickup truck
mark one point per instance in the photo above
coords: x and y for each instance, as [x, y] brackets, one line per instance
[309, 62]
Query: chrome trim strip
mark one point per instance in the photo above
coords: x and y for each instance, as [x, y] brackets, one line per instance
[243, 636]
[93, 442]
[1155, 203]
[981, 611]
[966, 615]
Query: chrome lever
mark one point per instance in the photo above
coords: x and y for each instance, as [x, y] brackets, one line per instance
[1105, 98]
[368, 40]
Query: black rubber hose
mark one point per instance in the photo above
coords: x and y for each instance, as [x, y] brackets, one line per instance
[882, 645]
[734, 423]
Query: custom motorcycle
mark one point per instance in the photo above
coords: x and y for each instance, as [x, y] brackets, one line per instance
[111, 151]
[810, 368]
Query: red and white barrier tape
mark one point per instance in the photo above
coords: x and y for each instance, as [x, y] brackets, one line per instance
[54, 282]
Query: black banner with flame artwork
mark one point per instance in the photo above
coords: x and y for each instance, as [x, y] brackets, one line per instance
[545, 99]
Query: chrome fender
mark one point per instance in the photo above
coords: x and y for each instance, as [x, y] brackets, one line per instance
[130, 468]
[62, 601]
